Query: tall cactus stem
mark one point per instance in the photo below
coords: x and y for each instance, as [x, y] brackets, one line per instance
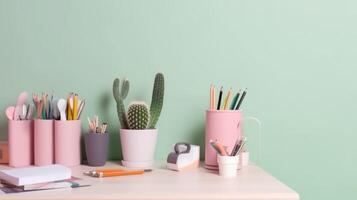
[157, 100]
[119, 96]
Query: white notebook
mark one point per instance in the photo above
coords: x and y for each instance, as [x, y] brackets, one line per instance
[33, 175]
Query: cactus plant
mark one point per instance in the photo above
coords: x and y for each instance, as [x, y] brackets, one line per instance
[138, 115]
[156, 100]
[119, 96]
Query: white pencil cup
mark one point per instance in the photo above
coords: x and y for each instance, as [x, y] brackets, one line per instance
[228, 165]
[244, 158]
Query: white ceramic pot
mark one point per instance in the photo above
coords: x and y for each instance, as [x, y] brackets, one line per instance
[244, 161]
[228, 165]
[138, 147]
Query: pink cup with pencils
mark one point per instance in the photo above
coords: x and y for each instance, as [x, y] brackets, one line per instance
[67, 131]
[20, 132]
[223, 123]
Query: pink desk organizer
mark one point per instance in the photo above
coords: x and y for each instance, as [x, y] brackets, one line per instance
[67, 142]
[223, 126]
[20, 134]
[43, 142]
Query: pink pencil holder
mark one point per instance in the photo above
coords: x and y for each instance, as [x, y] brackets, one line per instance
[43, 142]
[67, 142]
[223, 126]
[20, 135]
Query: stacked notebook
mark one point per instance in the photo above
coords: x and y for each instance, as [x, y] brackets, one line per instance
[38, 178]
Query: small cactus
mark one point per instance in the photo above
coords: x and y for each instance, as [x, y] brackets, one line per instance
[138, 115]
[119, 96]
[156, 100]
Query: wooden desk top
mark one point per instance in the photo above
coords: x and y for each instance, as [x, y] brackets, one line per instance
[162, 184]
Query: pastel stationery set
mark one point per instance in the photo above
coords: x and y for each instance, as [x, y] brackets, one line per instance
[49, 138]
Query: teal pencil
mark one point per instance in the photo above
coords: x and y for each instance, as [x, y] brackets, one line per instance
[241, 99]
[235, 99]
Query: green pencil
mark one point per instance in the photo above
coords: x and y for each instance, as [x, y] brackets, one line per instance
[234, 101]
[241, 99]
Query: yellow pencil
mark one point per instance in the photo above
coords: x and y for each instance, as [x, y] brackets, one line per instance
[69, 110]
[75, 107]
[227, 99]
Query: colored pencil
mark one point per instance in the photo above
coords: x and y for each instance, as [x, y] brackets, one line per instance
[227, 99]
[80, 109]
[212, 97]
[75, 107]
[241, 99]
[240, 148]
[234, 101]
[69, 108]
[220, 99]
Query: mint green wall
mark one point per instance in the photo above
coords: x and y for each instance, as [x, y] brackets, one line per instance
[298, 59]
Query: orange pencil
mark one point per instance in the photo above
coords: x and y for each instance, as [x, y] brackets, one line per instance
[114, 172]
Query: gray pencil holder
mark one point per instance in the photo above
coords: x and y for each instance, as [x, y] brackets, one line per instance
[96, 148]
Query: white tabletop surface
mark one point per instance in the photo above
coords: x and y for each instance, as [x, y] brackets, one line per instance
[251, 183]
